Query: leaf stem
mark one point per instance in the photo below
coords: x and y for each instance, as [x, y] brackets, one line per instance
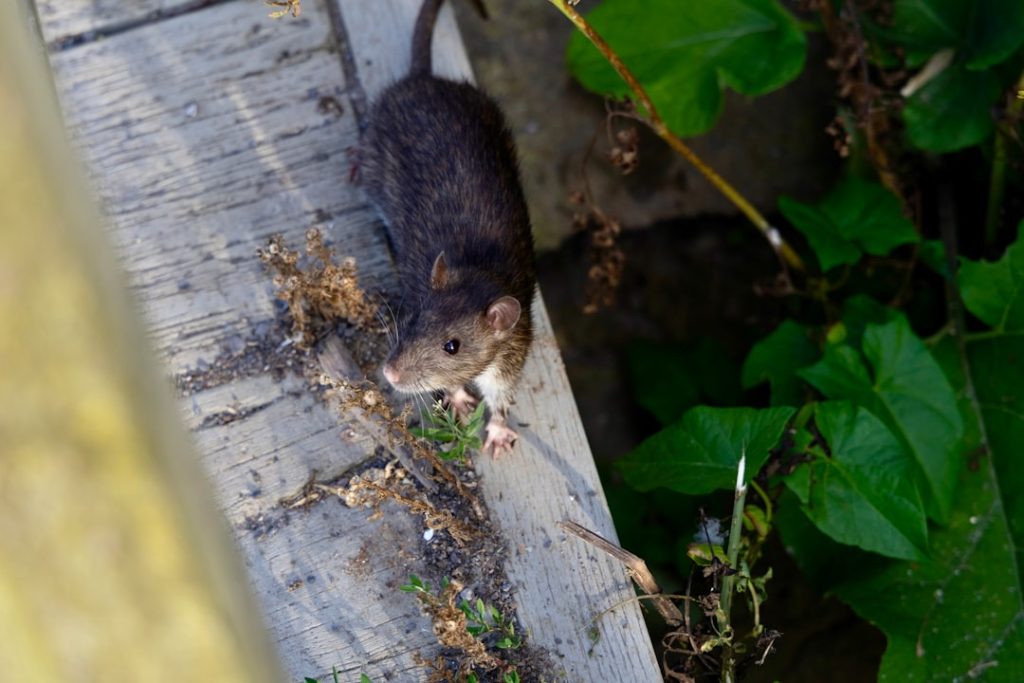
[653, 119]
[997, 184]
[729, 581]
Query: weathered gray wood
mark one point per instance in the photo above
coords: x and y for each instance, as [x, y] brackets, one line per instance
[62, 19]
[204, 135]
[562, 584]
[207, 132]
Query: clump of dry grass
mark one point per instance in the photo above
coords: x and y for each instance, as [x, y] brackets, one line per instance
[321, 292]
[451, 628]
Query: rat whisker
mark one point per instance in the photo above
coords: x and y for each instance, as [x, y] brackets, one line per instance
[385, 327]
[394, 319]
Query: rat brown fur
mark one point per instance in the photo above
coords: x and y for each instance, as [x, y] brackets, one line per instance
[440, 163]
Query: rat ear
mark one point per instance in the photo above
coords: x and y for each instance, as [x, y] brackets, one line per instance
[439, 273]
[503, 314]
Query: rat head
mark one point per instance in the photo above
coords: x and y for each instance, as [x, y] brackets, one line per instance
[452, 334]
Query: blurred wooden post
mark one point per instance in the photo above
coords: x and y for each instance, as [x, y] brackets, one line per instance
[114, 563]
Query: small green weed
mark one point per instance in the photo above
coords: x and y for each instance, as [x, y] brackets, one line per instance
[363, 678]
[445, 428]
[484, 619]
[415, 585]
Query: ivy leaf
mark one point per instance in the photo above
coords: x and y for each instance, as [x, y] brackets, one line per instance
[700, 452]
[863, 494]
[953, 110]
[995, 291]
[684, 53]
[856, 216]
[907, 390]
[777, 357]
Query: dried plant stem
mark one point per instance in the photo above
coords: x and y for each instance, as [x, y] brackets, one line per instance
[997, 184]
[657, 124]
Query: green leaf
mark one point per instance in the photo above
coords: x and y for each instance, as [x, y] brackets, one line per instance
[858, 312]
[863, 495]
[995, 291]
[960, 615]
[823, 561]
[831, 248]
[933, 254]
[994, 361]
[929, 24]
[856, 216]
[700, 452]
[985, 31]
[363, 678]
[777, 357]
[995, 33]
[684, 53]
[996, 367]
[953, 110]
[907, 390]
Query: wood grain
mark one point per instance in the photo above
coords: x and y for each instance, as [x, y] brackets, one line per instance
[205, 133]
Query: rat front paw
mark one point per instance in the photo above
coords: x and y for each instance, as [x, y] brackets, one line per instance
[462, 403]
[500, 438]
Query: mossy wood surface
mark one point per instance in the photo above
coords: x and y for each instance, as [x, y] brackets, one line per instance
[206, 128]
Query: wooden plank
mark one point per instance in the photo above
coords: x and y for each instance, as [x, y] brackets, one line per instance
[206, 133]
[65, 19]
[561, 585]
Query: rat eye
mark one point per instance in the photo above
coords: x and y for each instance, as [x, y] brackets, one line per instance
[451, 347]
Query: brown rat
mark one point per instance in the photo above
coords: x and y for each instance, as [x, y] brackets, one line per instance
[440, 163]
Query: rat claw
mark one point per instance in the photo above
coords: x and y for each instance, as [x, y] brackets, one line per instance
[462, 402]
[500, 438]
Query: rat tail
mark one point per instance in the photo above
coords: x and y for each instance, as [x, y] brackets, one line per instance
[423, 34]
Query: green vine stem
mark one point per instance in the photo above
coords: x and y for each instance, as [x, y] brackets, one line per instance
[729, 581]
[657, 124]
[997, 185]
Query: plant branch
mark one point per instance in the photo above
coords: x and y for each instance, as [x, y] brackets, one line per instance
[997, 184]
[653, 119]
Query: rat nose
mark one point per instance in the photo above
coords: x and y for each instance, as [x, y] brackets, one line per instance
[391, 374]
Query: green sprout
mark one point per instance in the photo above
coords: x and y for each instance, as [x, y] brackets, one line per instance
[483, 619]
[444, 427]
